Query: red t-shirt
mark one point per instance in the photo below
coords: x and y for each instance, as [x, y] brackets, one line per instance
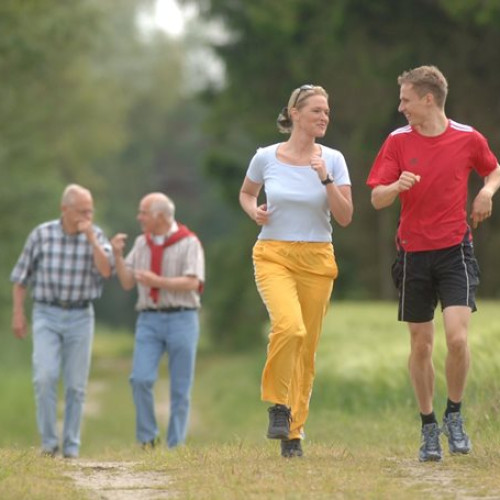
[433, 211]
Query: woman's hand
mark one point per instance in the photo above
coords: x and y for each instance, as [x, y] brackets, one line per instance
[319, 166]
[261, 215]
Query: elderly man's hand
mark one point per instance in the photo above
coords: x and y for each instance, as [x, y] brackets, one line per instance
[147, 278]
[19, 325]
[118, 243]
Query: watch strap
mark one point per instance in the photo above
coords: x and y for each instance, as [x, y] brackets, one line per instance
[328, 180]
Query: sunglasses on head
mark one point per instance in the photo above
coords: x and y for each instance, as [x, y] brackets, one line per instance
[308, 86]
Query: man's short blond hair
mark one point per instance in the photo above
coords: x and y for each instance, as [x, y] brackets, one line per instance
[425, 80]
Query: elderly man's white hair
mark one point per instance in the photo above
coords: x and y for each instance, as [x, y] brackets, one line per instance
[71, 192]
[162, 204]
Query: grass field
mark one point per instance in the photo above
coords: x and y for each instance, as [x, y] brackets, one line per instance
[362, 433]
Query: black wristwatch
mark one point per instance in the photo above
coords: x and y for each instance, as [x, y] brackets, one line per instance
[328, 180]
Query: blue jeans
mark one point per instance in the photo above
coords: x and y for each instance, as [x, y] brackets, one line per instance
[175, 333]
[62, 338]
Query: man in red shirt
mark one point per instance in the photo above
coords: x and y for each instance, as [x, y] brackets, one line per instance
[427, 165]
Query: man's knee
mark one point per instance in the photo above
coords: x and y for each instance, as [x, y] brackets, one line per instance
[141, 381]
[422, 341]
[422, 350]
[76, 393]
[457, 344]
[180, 401]
[45, 379]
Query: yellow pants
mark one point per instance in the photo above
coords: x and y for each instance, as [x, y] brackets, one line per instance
[295, 281]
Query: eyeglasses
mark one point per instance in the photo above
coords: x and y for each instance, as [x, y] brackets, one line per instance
[83, 211]
[308, 86]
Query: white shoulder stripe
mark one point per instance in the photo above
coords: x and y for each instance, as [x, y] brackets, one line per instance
[461, 126]
[402, 130]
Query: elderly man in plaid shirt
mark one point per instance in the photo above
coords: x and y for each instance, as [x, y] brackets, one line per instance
[64, 262]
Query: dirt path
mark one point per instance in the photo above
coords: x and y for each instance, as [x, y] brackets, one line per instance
[119, 481]
[123, 481]
[436, 477]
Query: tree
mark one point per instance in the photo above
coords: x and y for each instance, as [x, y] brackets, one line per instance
[55, 116]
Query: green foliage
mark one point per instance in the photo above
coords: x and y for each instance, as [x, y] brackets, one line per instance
[480, 12]
[57, 116]
[235, 313]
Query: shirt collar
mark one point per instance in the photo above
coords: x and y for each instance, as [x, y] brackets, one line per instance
[161, 238]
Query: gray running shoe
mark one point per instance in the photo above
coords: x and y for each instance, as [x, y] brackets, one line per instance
[453, 428]
[280, 417]
[430, 448]
[291, 448]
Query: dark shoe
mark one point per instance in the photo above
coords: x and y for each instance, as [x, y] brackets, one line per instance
[149, 445]
[453, 429]
[291, 448]
[430, 448]
[70, 456]
[49, 452]
[280, 417]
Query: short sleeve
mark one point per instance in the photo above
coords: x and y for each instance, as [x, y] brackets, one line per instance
[194, 264]
[26, 263]
[385, 168]
[131, 258]
[484, 159]
[255, 171]
[339, 170]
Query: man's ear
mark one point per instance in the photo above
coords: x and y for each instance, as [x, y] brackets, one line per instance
[429, 98]
[162, 218]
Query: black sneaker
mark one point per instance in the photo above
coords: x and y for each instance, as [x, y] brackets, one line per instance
[430, 448]
[52, 452]
[291, 448]
[151, 444]
[280, 417]
[453, 429]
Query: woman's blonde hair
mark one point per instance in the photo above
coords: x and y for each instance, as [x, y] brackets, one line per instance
[297, 100]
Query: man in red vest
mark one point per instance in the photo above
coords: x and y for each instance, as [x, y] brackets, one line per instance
[167, 265]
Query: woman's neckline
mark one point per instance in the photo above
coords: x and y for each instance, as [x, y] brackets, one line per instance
[281, 162]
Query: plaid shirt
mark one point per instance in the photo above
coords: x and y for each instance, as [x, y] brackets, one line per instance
[60, 266]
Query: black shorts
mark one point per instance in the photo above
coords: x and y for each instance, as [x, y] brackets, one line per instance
[449, 275]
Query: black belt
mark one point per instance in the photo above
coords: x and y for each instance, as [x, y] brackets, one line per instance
[66, 304]
[168, 309]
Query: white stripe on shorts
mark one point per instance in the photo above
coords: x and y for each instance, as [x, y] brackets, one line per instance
[403, 289]
[466, 273]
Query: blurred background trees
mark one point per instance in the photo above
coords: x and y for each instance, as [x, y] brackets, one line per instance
[90, 95]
